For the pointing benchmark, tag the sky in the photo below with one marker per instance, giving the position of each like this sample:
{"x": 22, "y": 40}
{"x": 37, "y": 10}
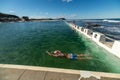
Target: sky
{"x": 70, "y": 9}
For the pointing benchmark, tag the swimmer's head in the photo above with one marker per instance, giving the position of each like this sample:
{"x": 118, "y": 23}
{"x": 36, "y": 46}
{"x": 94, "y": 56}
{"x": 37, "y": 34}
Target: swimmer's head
{"x": 57, "y": 51}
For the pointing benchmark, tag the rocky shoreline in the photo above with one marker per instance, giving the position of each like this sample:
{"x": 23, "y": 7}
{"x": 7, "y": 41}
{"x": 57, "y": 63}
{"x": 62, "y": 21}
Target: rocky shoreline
{"x": 13, "y": 18}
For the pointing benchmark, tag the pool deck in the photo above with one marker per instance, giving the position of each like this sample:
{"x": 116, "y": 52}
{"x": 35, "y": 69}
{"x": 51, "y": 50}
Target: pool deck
{"x": 21, "y": 72}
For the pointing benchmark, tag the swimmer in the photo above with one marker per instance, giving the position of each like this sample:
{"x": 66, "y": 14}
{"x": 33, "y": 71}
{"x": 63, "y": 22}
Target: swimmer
{"x": 58, "y": 53}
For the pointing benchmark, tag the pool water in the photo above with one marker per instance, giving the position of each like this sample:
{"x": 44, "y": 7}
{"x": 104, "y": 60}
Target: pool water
{"x": 26, "y": 43}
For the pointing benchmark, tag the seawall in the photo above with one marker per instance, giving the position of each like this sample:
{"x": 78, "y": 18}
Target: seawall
{"x": 111, "y": 45}
{"x": 20, "y": 72}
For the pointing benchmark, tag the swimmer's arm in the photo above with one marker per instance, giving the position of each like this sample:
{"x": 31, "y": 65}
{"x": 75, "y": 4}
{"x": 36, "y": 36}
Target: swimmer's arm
{"x": 88, "y": 58}
{"x": 49, "y": 53}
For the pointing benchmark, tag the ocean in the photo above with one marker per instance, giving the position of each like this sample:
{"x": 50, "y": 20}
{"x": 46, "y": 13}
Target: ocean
{"x": 109, "y": 27}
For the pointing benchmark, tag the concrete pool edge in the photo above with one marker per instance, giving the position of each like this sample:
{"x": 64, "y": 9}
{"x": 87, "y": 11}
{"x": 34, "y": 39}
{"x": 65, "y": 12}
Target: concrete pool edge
{"x": 22, "y": 72}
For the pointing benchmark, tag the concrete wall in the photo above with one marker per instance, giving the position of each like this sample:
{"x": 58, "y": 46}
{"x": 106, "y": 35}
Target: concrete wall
{"x": 20, "y": 72}
{"x": 116, "y": 48}
{"x": 99, "y": 38}
{"x": 88, "y": 32}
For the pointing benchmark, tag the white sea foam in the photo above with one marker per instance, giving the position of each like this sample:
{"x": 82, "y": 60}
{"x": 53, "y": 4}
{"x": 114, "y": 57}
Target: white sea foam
{"x": 113, "y": 29}
{"x": 102, "y": 26}
{"x": 114, "y": 21}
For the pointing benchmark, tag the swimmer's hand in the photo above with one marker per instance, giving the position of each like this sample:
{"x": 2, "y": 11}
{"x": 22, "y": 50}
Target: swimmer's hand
{"x": 48, "y": 53}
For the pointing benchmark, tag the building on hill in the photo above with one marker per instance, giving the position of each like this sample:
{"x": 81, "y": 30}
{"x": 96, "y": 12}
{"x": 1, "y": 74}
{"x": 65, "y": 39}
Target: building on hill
{"x": 25, "y": 18}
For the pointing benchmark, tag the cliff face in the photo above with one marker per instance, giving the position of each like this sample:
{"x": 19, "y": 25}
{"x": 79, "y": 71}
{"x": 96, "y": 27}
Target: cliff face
{"x": 8, "y": 17}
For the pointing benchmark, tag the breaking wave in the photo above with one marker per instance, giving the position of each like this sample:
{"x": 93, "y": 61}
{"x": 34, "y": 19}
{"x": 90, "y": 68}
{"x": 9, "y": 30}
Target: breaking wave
{"x": 114, "y": 21}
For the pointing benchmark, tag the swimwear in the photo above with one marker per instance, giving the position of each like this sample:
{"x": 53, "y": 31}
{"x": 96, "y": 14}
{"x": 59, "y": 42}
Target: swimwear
{"x": 73, "y": 56}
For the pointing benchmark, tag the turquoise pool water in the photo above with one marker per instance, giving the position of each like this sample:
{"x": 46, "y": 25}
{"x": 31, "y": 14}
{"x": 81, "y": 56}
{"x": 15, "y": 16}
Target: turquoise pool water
{"x": 26, "y": 44}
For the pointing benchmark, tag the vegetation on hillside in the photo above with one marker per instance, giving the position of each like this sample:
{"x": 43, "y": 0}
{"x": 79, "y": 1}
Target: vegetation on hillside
{"x": 8, "y": 17}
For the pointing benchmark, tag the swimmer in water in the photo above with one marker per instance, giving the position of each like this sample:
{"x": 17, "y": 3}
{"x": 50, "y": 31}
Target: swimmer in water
{"x": 58, "y": 53}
